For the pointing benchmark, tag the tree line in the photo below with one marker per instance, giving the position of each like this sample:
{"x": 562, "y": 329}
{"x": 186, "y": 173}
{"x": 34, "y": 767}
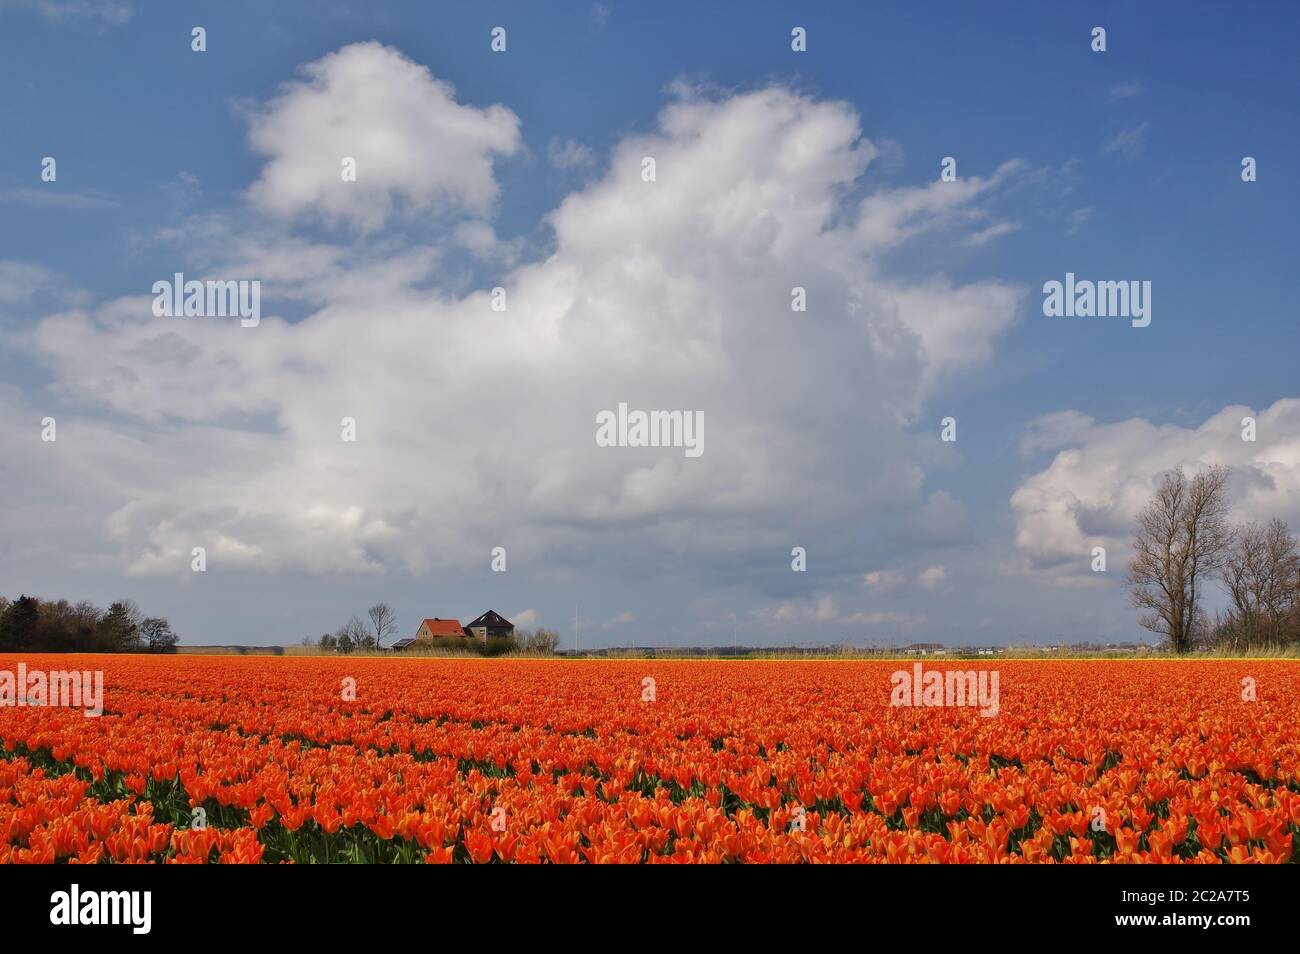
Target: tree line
{"x": 1185, "y": 542}
{"x": 379, "y": 623}
{"x": 57, "y": 626}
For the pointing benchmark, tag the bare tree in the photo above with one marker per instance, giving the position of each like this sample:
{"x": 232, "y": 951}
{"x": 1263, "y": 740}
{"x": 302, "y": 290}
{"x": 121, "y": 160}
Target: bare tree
{"x": 355, "y": 635}
{"x": 1260, "y": 574}
{"x": 383, "y": 618}
{"x": 158, "y": 635}
{"x": 87, "y": 614}
{"x": 540, "y": 640}
{"x": 1183, "y": 535}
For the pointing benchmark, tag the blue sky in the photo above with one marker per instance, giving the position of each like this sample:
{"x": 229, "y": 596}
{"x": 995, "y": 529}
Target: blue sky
{"x": 1126, "y": 166}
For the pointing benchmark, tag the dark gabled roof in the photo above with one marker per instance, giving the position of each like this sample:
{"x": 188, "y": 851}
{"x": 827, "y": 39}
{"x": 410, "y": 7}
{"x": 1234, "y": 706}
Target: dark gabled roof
{"x": 403, "y": 643}
{"x": 492, "y": 620}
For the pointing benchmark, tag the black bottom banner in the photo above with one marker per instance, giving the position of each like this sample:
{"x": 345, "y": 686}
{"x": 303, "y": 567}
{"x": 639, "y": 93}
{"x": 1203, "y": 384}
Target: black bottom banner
{"x": 148, "y": 904}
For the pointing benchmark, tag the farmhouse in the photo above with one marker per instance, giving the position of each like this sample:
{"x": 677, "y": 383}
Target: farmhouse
{"x": 433, "y": 629}
{"x": 491, "y": 625}
{"x": 430, "y": 632}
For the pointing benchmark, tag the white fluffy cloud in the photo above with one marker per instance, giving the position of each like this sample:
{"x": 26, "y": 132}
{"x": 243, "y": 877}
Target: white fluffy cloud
{"x": 416, "y": 149}
{"x": 524, "y": 618}
{"x": 476, "y": 427}
{"x": 1103, "y": 474}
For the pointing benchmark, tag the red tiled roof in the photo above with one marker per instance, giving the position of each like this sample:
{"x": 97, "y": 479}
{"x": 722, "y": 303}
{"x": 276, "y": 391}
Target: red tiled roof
{"x": 444, "y": 627}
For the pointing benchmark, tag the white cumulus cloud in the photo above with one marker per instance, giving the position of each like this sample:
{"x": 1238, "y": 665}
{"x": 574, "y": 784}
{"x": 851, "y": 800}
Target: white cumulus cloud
{"x": 476, "y": 424}
{"x": 416, "y": 149}
{"x": 1101, "y": 476}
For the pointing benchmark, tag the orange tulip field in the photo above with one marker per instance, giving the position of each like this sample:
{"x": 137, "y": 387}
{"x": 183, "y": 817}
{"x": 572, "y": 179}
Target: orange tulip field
{"x": 335, "y": 759}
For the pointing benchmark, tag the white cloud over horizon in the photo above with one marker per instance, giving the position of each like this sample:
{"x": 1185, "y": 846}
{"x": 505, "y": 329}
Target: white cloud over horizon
{"x": 670, "y": 294}
{"x": 1103, "y": 474}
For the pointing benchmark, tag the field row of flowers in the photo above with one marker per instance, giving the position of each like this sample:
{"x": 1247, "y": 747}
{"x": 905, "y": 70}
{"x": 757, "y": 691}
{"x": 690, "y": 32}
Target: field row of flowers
{"x": 230, "y": 759}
